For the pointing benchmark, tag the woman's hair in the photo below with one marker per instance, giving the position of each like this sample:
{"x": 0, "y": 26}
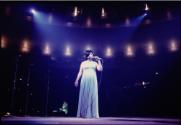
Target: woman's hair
{"x": 87, "y": 53}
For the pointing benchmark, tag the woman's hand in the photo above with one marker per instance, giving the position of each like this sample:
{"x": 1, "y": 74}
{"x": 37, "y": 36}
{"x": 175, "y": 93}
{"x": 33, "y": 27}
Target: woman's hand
{"x": 76, "y": 83}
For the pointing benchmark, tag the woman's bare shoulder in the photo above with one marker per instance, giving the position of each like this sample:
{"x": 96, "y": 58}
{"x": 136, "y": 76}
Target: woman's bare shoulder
{"x": 83, "y": 62}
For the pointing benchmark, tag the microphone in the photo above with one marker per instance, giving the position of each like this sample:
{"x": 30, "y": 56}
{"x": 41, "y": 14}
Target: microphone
{"x": 96, "y": 57}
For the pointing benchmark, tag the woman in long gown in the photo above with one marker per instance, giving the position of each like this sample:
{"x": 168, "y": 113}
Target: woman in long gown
{"x": 88, "y": 95}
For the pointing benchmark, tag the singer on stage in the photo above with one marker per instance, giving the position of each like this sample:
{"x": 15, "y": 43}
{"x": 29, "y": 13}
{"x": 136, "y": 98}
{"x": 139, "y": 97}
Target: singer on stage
{"x": 88, "y": 95}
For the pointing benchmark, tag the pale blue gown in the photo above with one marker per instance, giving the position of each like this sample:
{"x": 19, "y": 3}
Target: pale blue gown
{"x": 88, "y": 95}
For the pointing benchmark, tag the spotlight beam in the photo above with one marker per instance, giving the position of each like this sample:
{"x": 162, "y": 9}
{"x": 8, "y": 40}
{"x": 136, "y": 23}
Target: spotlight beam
{"x": 33, "y": 11}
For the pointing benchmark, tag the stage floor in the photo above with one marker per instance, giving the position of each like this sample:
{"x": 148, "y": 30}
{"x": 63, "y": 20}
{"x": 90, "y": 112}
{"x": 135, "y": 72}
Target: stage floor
{"x": 80, "y": 121}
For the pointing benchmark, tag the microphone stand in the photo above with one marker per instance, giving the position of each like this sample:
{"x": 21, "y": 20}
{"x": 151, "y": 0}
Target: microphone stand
{"x": 12, "y": 101}
{"x": 27, "y": 89}
{"x": 47, "y": 90}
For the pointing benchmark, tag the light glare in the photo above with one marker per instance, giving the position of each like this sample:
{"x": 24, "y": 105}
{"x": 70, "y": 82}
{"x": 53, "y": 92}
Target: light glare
{"x": 47, "y": 50}
{"x": 109, "y": 52}
{"x": 4, "y": 42}
{"x": 68, "y": 51}
{"x": 129, "y": 51}
{"x": 25, "y": 48}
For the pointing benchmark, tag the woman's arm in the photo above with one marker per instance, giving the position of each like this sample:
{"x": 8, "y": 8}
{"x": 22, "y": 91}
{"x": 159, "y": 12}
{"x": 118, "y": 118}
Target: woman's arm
{"x": 99, "y": 66}
{"x": 79, "y": 75}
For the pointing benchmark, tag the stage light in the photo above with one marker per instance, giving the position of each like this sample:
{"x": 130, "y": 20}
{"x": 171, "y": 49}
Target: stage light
{"x": 108, "y": 52}
{"x": 146, "y": 7}
{"x": 33, "y": 11}
{"x": 150, "y": 48}
{"x": 4, "y": 41}
{"x": 50, "y": 18}
{"x": 75, "y": 12}
{"x": 143, "y": 83}
{"x": 173, "y": 45}
{"x": 25, "y": 47}
{"x": 147, "y": 21}
{"x": 103, "y": 13}
{"x": 47, "y": 50}
{"x": 169, "y": 15}
{"x": 68, "y": 51}
{"x": 29, "y": 18}
{"x": 88, "y": 47}
{"x": 88, "y": 22}
{"x": 127, "y": 21}
{"x": 129, "y": 51}
{"x": 53, "y": 58}
{"x": 69, "y": 24}
{"x": 7, "y": 114}
{"x": 108, "y": 25}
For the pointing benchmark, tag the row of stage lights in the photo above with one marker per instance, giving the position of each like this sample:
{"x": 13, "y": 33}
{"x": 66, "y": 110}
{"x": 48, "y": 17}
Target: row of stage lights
{"x": 103, "y": 14}
{"x": 76, "y": 12}
{"x": 129, "y": 49}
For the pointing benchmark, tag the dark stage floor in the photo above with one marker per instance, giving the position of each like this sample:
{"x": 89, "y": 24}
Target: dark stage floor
{"x": 79, "y": 121}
